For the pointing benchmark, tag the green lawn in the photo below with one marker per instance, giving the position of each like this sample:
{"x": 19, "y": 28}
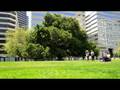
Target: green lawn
{"x": 60, "y": 69}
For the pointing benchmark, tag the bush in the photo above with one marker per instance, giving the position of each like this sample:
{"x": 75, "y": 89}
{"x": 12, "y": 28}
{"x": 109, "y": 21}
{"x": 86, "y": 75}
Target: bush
{"x": 37, "y": 51}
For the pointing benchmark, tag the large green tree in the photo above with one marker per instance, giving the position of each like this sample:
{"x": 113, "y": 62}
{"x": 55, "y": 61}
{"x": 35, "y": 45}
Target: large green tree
{"x": 62, "y": 34}
{"x": 51, "y": 37}
{"x": 58, "y": 36}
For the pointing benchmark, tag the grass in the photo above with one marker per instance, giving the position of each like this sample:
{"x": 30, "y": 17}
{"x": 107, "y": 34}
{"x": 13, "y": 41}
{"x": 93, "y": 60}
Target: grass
{"x": 60, "y": 69}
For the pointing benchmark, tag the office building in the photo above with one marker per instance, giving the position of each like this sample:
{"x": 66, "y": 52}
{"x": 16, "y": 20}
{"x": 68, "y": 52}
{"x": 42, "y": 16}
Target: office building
{"x": 22, "y": 19}
{"x": 80, "y": 16}
{"x": 8, "y": 21}
{"x": 103, "y": 27}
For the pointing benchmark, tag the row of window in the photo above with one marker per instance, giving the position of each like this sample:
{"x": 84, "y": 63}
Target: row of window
{"x": 90, "y": 17}
{"x": 2, "y": 41}
{"x": 2, "y": 36}
{"x": 7, "y": 26}
{"x": 110, "y": 15}
{"x": 91, "y": 21}
{"x": 9, "y": 21}
{"x": 7, "y": 15}
{"x": 13, "y": 12}
{"x": 91, "y": 24}
{"x": 109, "y": 28}
{"x": 3, "y": 30}
{"x": 89, "y": 29}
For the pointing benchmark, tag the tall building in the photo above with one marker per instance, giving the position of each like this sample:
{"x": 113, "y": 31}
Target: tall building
{"x": 8, "y": 21}
{"x": 80, "y": 16}
{"x": 103, "y": 27}
{"x": 22, "y": 19}
{"x": 38, "y": 16}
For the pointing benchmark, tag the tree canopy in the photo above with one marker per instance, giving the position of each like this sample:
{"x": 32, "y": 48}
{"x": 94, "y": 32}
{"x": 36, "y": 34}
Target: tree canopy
{"x": 57, "y": 37}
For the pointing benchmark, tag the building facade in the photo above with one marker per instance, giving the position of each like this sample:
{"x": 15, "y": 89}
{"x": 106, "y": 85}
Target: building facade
{"x": 8, "y": 21}
{"x": 22, "y": 19}
{"x": 38, "y": 16}
{"x": 103, "y": 27}
{"x": 80, "y": 16}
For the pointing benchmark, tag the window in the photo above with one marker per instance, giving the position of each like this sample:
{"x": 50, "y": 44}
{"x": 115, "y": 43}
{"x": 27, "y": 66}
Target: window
{"x": 2, "y": 41}
{"x": 2, "y": 36}
{"x": 6, "y": 15}
{"x": 4, "y": 20}
{"x": 8, "y": 26}
{"x": 3, "y": 30}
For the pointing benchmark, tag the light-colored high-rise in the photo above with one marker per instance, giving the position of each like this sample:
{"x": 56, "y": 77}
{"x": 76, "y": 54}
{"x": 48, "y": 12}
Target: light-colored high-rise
{"x": 80, "y": 16}
{"x": 8, "y": 21}
{"x": 103, "y": 27}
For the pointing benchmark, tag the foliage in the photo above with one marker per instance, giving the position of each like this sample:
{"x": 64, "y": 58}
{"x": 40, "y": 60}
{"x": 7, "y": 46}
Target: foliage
{"x": 36, "y": 51}
{"x": 40, "y": 35}
{"x": 19, "y": 44}
{"x": 66, "y": 23}
{"x": 16, "y": 40}
{"x": 75, "y": 45}
{"x": 92, "y": 46}
{"x": 58, "y": 36}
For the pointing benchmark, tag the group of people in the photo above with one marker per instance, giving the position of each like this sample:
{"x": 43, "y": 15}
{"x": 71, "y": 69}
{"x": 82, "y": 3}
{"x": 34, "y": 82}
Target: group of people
{"x": 90, "y": 55}
{"x": 106, "y": 56}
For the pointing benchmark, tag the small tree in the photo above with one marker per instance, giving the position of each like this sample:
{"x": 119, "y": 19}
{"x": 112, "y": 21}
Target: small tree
{"x": 15, "y": 42}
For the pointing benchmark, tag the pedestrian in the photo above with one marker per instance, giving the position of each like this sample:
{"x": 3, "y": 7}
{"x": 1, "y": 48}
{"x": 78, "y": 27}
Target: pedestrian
{"x": 92, "y": 55}
{"x": 87, "y": 54}
{"x": 106, "y": 57}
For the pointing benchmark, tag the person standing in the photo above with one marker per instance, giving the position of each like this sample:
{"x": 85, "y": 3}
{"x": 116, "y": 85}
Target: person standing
{"x": 92, "y": 55}
{"x": 87, "y": 54}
